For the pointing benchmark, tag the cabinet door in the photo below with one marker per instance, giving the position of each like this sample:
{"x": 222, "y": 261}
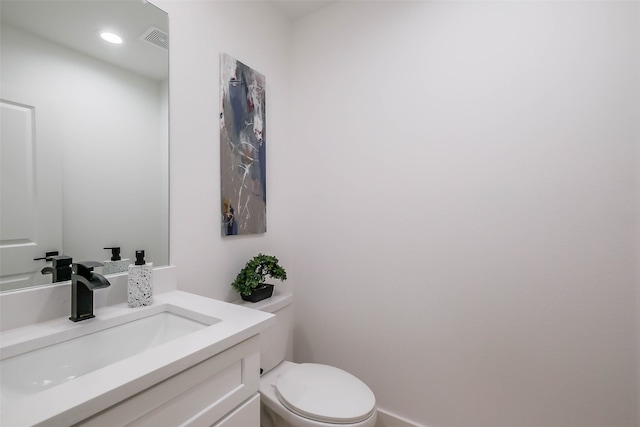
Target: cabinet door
{"x": 247, "y": 415}
{"x": 196, "y": 397}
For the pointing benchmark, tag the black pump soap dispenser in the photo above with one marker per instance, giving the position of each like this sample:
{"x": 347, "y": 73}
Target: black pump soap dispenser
{"x": 140, "y": 282}
{"x": 115, "y": 264}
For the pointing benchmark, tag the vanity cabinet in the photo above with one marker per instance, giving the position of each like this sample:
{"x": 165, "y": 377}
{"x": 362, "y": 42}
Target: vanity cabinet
{"x": 248, "y": 414}
{"x": 221, "y": 391}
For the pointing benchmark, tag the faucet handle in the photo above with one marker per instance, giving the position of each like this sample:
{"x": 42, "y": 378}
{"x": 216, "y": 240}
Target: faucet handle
{"x": 61, "y": 261}
{"x": 85, "y": 268}
{"x": 47, "y": 256}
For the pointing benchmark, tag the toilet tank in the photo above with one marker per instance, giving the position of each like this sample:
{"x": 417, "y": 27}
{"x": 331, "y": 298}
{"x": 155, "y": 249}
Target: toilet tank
{"x": 276, "y": 342}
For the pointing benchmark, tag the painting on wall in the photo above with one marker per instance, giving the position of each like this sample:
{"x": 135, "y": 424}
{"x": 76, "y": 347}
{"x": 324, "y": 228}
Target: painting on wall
{"x": 242, "y": 148}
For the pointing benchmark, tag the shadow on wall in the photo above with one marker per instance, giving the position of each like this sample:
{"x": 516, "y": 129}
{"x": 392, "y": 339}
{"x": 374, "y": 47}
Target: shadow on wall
{"x": 302, "y": 349}
{"x": 386, "y": 419}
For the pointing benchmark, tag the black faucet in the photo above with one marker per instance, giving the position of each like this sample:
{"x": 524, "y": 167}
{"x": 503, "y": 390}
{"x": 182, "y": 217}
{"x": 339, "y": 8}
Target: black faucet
{"x": 83, "y": 282}
{"x": 60, "y": 268}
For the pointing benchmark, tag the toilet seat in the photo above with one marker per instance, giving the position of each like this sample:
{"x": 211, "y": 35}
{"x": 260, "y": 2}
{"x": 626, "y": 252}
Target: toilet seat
{"x": 325, "y": 393}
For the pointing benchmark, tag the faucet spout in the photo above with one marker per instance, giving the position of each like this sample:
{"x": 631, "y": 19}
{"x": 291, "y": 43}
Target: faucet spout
{"x": 94, "y": 281}
{"x": 83, "y": 282}
{"x": 48, "y": 270}
{"x": 60, "y": 268}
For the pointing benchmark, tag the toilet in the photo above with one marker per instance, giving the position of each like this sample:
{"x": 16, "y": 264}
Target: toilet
{"x": 305, "y": 394}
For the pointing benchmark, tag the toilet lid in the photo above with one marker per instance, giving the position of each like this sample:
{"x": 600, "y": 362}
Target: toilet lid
{"x": 325, "y": 393}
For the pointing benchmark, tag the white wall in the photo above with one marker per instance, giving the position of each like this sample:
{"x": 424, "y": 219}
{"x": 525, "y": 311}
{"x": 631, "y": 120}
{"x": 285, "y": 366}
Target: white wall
{"x": 104, "y": 123}
{"x": 256, "y": 34}
{"x": 464, "y": 185}
{"x": 451, "y": 188}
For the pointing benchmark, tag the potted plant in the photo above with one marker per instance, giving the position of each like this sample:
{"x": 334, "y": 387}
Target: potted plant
{"x": 249, "y": 282}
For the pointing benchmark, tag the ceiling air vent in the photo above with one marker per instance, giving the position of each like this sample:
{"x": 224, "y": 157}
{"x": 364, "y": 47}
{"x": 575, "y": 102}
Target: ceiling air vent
{"x": 156, "y": 37}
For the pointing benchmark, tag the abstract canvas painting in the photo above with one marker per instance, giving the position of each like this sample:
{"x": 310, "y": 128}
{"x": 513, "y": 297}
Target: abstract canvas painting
{"x": 242, "y": 148}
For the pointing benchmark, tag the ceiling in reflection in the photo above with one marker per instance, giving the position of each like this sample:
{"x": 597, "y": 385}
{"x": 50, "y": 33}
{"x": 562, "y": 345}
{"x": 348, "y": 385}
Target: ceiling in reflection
{"x": 131, "y": 20}
{"x": 293, "y": 9}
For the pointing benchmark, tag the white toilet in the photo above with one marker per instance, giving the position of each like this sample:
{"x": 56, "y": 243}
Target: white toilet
{"x": 307, "y": 394}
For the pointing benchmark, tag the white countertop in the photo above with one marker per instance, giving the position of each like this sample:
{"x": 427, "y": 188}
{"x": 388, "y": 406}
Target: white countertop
{"x": 86, "y": 395}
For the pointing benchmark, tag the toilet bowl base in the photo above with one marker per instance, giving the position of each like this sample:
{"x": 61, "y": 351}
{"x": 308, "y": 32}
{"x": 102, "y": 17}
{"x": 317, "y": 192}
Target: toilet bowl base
{"x": 274, "y": 414}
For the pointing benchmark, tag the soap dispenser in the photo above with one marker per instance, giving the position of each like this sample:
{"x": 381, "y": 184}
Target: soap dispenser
{"x": 140, "y": 282}
{"x": 115, "y": 264}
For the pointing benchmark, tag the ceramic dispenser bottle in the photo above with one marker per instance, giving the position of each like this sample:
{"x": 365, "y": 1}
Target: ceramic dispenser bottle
{"x": 116, "y": 264}
{"x": 140, "y": 282}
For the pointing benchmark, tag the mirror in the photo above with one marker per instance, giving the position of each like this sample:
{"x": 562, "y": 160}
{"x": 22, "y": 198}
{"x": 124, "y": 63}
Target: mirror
{"x": 84, "y": 134}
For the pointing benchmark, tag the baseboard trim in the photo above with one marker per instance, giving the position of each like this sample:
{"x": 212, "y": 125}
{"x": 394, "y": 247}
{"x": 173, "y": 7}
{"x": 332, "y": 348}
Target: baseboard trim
{"x": 389, "y": 419}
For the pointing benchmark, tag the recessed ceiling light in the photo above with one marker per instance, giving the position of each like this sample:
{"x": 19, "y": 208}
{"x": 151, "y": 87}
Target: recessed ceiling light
{"x": 111, "y": 38}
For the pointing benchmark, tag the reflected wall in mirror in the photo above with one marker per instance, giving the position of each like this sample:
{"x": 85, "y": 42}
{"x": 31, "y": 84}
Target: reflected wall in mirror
{"x": 84, "y": 134}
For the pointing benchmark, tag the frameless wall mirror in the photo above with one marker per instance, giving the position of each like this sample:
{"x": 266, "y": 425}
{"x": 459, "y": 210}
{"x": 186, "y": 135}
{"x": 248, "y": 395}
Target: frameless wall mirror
{"x": 84, "y": 134}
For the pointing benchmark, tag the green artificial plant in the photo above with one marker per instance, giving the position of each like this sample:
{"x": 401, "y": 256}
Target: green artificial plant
{"x": 255, "y": 271}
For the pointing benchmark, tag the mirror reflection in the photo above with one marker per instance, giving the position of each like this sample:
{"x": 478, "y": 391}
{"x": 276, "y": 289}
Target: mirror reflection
{"x": 84, "y": 134}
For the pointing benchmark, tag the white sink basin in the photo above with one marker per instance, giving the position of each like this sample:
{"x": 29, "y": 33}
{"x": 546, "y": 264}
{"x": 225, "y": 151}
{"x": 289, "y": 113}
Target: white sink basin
{"x": 97, "y": 345}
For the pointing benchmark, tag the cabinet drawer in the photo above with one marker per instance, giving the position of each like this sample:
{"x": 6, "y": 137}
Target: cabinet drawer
{"x": 197, "y": 396}
{"x": 247, "y": 415}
